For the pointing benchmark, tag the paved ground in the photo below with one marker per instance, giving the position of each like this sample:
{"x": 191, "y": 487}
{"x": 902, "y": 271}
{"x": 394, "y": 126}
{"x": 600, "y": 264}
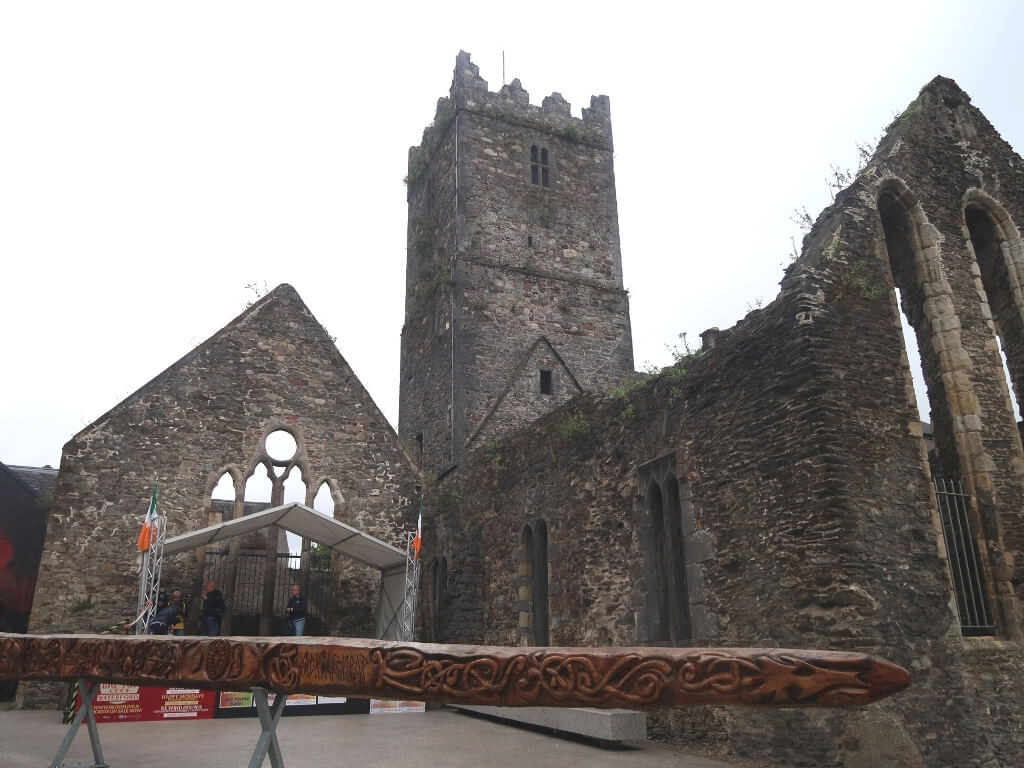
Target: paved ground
{"x": 29, "y": 738}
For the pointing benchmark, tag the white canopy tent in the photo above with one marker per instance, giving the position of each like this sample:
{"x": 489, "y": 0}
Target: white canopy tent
{"x": 328, "y": 532}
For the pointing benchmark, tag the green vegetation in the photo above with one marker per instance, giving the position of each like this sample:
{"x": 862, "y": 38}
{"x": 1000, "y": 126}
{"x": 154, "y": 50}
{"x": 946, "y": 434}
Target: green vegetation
{"x": 432, "y": 277}
{"x": 570, "y": 133}
{"x": 81, "y": 605}
{"x": 424, "y": 229}
{"x": 419, "y": 158}
{"x": 673, "y": 375}
{"x": 627, "y": 387}
{"x": 574, "y": 427}
{"x": 493, "y": 452}
{"x": 319, "y": 557}
{"x": 857, "y": 278}
{"x": 913, "y": 108}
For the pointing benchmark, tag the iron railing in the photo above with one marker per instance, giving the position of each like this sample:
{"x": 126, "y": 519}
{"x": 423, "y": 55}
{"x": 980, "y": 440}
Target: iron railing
{"x": 962, "y": 552}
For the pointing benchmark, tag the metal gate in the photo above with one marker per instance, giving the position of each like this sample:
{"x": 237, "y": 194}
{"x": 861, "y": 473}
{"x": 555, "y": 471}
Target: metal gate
{"x": 962, "y": 552}
{"x": 247, "y": 599}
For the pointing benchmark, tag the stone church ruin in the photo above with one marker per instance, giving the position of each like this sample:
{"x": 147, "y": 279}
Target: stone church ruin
{"x": 775, "y": 488}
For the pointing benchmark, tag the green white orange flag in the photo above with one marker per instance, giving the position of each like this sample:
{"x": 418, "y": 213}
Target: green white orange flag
{"x": 148, "y": 532}
{"x": 418, "y": 541}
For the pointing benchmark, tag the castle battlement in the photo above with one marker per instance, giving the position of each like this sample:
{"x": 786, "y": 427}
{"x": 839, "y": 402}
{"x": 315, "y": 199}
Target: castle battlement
{"x": 470, "y": 92}
{"x": 512, "y": 103}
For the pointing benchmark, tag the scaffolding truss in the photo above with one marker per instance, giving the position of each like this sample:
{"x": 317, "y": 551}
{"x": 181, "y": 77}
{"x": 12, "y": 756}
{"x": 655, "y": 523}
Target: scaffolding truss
{"x": 407, "y": 614}
{"x": 149, "y": 578}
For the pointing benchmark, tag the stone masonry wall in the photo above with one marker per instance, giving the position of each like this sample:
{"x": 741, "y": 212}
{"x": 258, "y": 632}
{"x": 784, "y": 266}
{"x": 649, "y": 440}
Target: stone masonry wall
{"x": 273, "y": 367}
{"x": 426, "y": 362}
{"x": 811, "y": 519}
{"x": 526, "y": 261}
{"x": 523, "y": 399}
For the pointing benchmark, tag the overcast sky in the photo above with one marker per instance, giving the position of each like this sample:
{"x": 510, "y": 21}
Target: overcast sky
{"x": 155, "y": 159}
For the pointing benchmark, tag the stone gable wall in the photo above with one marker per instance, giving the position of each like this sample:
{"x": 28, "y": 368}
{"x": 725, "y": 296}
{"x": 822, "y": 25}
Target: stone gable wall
{"x": 272, "y": 368}
{"x": 522, "y": 399}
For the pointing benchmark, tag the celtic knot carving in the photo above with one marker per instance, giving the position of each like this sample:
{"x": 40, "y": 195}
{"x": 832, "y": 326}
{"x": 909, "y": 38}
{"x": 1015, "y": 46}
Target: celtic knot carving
{"x": 630, "y": 679}
{"x": 280, "y": 664}
{"x": 530, "y": 677}
{"x": 638, "y": 678}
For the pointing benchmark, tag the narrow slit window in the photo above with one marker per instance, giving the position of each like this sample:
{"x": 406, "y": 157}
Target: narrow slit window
{"x": 540, "y": 168}
{"x": 545, "y": 382}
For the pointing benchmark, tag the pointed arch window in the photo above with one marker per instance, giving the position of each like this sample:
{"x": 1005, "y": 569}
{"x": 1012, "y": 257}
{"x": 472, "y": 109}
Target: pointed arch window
{"x": 667, "y": 599}
{"x": 926, "y": 298}
{"x": 994, "y": 239}
{"x": 222, "y": 499}
{"x": 533, "y": 590}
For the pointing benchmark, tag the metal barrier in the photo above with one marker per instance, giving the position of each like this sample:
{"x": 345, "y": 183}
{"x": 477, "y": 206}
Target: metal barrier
{"x": 962, "y": 553}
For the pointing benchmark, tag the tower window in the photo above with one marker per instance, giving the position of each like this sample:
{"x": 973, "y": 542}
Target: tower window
{"x": 545, "y": 382}
{"x": 540, "y": 170}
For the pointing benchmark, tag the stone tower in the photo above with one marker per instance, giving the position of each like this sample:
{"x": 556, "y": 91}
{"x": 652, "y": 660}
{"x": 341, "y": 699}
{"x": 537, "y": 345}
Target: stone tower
{"x": 514, "y": 294}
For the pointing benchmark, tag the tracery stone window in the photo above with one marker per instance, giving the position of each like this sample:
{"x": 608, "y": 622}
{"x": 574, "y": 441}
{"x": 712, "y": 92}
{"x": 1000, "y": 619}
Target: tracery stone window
{"x": 276, "y": 472}
{"x": 540, "y": 168}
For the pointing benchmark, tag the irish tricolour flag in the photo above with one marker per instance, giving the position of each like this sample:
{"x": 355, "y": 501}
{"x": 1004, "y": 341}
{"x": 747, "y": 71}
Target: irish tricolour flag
{"x": 148, "y": 532}
{"x": 418, "y": 541}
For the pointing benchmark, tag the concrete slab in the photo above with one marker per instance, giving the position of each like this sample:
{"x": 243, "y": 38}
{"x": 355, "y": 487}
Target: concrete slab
{"x": 604, "y": 725}
{"x": 29, "y": 739}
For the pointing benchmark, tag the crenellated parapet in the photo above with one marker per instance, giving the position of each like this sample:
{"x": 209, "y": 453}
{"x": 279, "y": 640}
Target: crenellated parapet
{"x": 511, "y": 103}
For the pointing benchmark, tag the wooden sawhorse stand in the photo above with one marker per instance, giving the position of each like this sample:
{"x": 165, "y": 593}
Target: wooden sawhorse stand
{"x": 87, "y": 690}
{"x": 267, "y": 743}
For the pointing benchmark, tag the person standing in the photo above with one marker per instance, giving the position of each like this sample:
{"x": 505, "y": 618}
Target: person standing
{"x": 296, "y": 611}
{"x": 164, "y": 617}
{"x": 178, "y": 627}
{"x": 214, "y": 609}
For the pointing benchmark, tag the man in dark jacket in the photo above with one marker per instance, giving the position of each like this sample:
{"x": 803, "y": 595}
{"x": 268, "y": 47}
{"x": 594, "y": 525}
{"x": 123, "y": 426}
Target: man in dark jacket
{"x": 166, "y": 616}
{"x": 214, "y": 609}
{"x": 295, "y": 613}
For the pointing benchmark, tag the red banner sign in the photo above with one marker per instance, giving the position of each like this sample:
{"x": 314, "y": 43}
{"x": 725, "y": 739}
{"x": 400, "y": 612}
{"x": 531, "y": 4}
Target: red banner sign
{"x": 131, "y": 703}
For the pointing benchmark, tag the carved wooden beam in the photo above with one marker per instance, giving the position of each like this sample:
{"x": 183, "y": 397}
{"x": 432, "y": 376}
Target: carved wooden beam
{"x": 636, "y": 678}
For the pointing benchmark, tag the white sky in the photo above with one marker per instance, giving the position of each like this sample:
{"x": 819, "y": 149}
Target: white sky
{"x": 157, "y": 158}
